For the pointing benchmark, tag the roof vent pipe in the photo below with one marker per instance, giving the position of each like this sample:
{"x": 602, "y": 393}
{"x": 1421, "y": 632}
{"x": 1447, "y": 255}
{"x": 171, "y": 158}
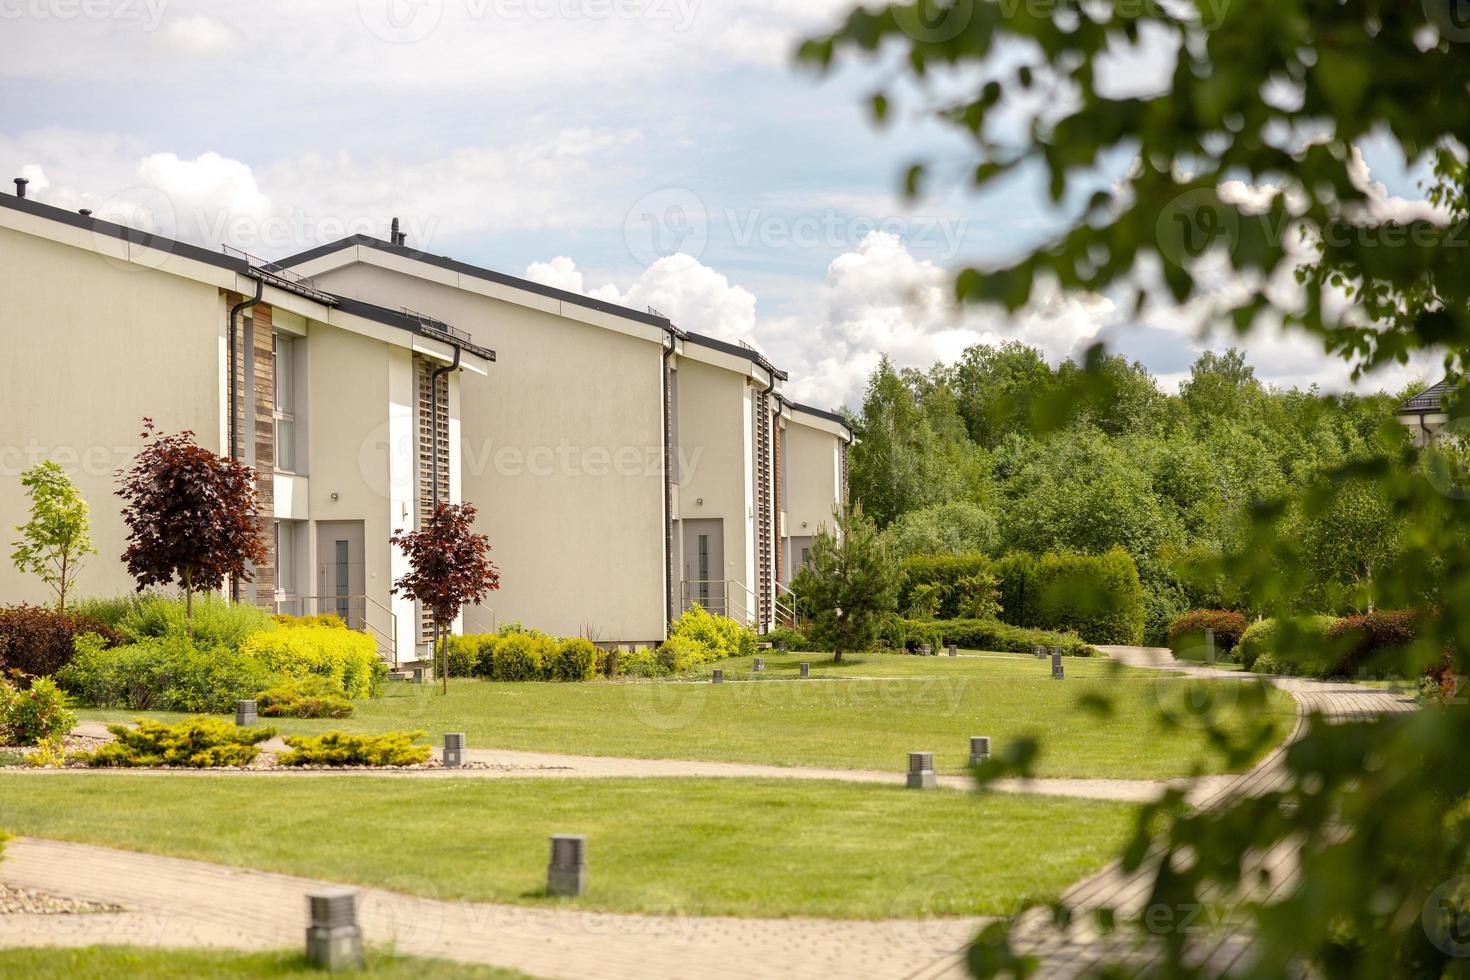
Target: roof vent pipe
{"x": 393, "y": 233}
{"x": 20, "y": 186}
{"x": 85, "y": 212}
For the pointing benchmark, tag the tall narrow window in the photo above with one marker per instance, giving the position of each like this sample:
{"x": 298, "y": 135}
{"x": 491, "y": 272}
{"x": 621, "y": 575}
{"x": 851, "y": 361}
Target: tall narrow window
{"x": 285, "y": 410}
{"x": 704, "y": 570}
{"x": 344, "y": 578}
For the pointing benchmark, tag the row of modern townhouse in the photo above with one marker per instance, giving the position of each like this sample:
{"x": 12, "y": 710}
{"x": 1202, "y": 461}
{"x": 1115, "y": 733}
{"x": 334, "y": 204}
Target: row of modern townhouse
{"x": 624, "y": 468}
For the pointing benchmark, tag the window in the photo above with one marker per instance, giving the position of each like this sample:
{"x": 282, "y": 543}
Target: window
{"x": 286, "y": 537}
{"x": 704, "y": 570}
{"x": 806, "y": 556}
{"x": 284, "y": 361}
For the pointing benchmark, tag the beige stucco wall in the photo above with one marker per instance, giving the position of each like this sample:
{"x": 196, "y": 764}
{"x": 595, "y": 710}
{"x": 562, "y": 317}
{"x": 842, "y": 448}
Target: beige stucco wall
{"x": 813, "y": 477}
{"x": 562, "y": 454}
{"x": 716, "y": 478}
{"x": 90, "y": 346}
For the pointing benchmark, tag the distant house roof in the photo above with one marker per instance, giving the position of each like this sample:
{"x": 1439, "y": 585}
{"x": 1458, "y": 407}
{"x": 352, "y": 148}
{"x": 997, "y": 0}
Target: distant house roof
{"x": 1431, "y": 399}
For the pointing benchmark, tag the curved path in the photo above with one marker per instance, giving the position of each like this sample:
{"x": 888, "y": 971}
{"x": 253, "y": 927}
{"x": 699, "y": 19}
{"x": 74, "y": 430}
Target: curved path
{"x": 1082, "y": 951}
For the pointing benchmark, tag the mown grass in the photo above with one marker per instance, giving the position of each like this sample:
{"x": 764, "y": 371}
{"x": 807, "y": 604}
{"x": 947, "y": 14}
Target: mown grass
{"x": 130, "y": 963}
{"x": 839, "y": 719}
{"x": 697, "y": 846}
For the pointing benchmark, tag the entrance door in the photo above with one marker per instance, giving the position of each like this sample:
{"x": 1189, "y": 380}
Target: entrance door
{"x": 704, "y": 564}
{"x": 341, "y": 581}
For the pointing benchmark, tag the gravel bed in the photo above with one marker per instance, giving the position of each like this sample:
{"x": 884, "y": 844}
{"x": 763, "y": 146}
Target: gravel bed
{"x": 23, "y": 901}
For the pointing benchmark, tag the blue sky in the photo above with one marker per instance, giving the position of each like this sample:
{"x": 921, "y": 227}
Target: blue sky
{"x": 579, "y": 144}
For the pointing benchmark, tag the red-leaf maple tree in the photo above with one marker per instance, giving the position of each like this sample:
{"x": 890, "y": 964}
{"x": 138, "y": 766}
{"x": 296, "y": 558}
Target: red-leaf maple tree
{"x": 192, "y": 515}
{"x": 449, "y": 566}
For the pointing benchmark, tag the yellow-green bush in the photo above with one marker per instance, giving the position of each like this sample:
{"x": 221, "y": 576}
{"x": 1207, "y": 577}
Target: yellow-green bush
{"x": 304, "y": 697}
{"x": 680, "y": 654}
{"x": 320, "y": 619}
{"x": 575, "y": 660}
{"x": 466, "y": 653}
{"x": 348, "y": 658}
{"x": 199, "y": 743}
{"x": 638, "y": 663}
{"x": 520, "y": 657}
{"x": 720, "y": 636}
{"x": 341, "y": 749}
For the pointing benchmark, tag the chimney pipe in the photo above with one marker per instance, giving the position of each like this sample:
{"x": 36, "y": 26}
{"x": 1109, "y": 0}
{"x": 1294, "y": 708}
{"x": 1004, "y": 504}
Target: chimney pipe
{"x": 86, "y": 212}
{"x": 20, "y": 186}
{"x": 393, "y": 233}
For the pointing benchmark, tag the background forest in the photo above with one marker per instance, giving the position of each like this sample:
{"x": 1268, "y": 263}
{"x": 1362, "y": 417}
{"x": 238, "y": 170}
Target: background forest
{"x": 999, "y": 452}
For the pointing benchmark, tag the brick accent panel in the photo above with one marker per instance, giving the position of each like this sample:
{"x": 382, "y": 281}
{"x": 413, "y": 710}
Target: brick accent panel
{"x": 263, "y": 383}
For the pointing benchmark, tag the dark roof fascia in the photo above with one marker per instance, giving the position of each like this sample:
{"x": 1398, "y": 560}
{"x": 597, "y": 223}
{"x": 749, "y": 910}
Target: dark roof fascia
{"x": 404, "y": 321}
{"x": 478, "y": 272}
{"x": 736, "y": 349}
{"x": 123, "y": 233}
{"x": 820, "y": 413}
{"x": 230, "y": 263}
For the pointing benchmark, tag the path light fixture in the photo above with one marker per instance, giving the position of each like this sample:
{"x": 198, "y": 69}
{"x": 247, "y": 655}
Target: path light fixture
{"x": 453, "y": 750}
{"x": 718, "y": 677}
{"x": 760, "y": 665}
{"x": 806, "y": 670}
{"x": 979, "y": 749}
{"x": 567, "y": 872}
{"x": 921, "y": 771}
{"x": 334, "y": 940}
{"x": 1058, "y": 672}
{"x": 245, "y": 713}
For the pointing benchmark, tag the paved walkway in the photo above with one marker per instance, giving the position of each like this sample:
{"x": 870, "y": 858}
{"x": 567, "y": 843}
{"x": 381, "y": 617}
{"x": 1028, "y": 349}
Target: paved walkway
{"x": 191, "y": 903}
{"x": 509, "y": 763}
{"x": 1082, "y": 951}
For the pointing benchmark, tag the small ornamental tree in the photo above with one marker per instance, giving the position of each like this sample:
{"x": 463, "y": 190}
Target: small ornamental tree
{"x": 449, "y": 566}
{"x": 850, "y": 584}
{"x": 191, "y": 515}
{"x": 54, "y": 542}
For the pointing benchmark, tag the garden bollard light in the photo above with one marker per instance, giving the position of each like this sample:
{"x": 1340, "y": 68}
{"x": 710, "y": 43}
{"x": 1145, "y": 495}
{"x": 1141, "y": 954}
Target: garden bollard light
{"x": 806, "y": 670}
{"x": 954, "y": 649}
{"x": 1209, "y": 644}
{"x": 718, "y": 677}
{"x": 781, "y": 646}
{"x": 1039, "y": 652}
{"x": 333, "y": 940}
{"x": 760, "y": 665}
{"x": 245, "y": 713}
{"x": 1057, "y": 671}
{"x": 979, "y": 749}
{"x": 453, "y": 750}
{"x": 921, "y": 770}
{"x": 924, "y": 649}
{"x": 418, "y": 675}
{"x": 567, "y": 872}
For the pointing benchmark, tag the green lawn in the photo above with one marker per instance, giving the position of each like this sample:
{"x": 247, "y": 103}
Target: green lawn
{"x": 835, "y": 719}
{"x": 698, "y": 846}
{"x": 129, "y": 963}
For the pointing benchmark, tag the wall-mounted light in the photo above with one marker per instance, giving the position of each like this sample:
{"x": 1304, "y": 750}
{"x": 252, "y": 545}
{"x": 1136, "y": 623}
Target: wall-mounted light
{"x": 335, "y": 495}
{"x": 699, "y": 501}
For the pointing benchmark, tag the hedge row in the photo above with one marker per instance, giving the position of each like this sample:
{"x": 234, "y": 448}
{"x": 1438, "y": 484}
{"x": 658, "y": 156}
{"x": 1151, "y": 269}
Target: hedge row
{"x": 518, "y": 654}
{"x": 1186, "y": 634}
{"x": 38, "y": 642}
{"x": 1099, "y": 597}
{"x": 980, "y": 634}
{"x": 1373, "y": 644}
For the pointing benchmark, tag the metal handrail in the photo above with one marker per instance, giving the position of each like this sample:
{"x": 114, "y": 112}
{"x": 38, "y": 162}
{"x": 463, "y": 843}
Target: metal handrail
{"x": 788, "y": 607}
{"x": 387, "y": 641}
{"x": 724, "y": 597}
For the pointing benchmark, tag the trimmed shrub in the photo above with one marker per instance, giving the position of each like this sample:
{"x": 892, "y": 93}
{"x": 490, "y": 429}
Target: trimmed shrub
{"x": 1288, "y": 647}
{"x": 521, "y": 657}
{"x": 307, "y": 697}
{"x": 721, "y": 636}
{"x": 341, "y": 749}
{"x": 199, "y": 743}
{"x": 575, "y": 660}
{"x": 1187, "y": 631}
{"x": 346, "y": 657}
{"x": 1375, "y": 642}
{"x": 35, "y": 715}
{"x": 37, "y": 642}
{"x": 464, "y": 653}
{"x": 1098, "y": 597}
{"x": 638, "y": 663}
{"x": 991, "y": 634}
{"x": 680, "y": 654}
{"x": 943, "y": 571}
